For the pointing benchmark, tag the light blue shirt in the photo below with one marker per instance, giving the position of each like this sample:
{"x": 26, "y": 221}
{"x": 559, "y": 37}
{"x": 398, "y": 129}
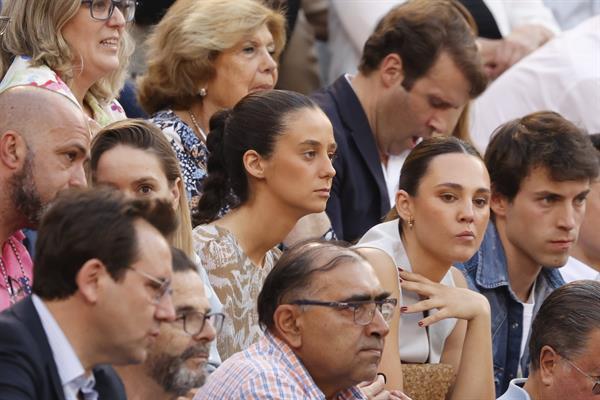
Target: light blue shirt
{"x": 515, "y": 390}
{"x": 71, "y": 372}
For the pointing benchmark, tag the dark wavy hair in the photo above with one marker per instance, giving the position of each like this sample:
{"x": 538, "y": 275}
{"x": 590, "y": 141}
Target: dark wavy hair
{"x": 540, "y": 140}
{"x": 419, "y": 31}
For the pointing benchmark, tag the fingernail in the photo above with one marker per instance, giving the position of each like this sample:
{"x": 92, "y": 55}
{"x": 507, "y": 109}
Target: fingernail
{"x": 420, "y": 323}
{"x": 403, "y": 309}
{"x": 384, "y": 377}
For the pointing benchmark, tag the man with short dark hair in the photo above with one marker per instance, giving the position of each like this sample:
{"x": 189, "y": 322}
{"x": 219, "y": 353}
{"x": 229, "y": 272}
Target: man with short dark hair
{"x": 419, "y": 68}
{"x": 176, "y": 363}
{"x": 564, "y": 347}
{"x": 325, "y": 319}
{"x": 101, "y": 290}
{"x": 44, "y": 142}
{"x": 541, "y": 167}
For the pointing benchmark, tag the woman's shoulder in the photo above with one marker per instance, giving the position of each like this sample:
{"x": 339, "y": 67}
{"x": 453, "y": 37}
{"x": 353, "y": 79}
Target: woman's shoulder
{"x": 22, "y": 72}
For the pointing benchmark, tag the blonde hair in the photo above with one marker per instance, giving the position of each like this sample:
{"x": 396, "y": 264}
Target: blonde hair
{"x": 143, "y": 135}
{"x": 184, "y": 45}
{"x": 35, "y": 29}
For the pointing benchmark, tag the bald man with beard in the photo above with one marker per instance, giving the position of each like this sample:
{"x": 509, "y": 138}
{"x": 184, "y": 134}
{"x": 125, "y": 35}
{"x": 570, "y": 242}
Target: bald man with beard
{"x": 44, "y": 142}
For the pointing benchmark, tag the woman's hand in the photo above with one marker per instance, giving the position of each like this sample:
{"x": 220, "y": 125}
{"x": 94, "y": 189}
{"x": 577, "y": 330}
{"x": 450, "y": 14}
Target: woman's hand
{"x": 374, "y": 390}
{"x": 451, "y": 302}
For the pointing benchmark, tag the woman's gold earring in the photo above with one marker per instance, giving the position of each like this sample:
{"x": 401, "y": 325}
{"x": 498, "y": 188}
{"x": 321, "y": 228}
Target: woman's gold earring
{"x": 202, "y": 92}
{"x": 411, "y": 222}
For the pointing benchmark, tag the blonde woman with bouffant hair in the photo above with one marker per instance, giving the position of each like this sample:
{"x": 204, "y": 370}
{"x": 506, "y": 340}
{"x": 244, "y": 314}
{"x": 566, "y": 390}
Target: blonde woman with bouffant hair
{"x": 183, "y": 48}
{"x": 203, "y": 57}
{"x": 59, "y": 34}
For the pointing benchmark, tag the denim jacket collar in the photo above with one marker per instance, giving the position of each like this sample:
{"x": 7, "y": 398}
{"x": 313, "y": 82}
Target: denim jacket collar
{"x": 492, "y": 271}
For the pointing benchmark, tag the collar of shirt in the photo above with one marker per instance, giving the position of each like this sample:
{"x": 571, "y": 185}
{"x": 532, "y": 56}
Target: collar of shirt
{"x": 13, "y": 260}
{"x": 71, "y": 372}
{"x": 352, "y": 393}
{"x": 492, "y": 271}
{"x": 515, "y": 390}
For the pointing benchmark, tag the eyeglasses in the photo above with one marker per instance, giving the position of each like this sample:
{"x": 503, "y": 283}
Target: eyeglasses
{"x": 596, "y": 380}
{"x": 194, "y": 322}
{"x": 4, "y": 20}
{"x": 161, "y": 287}
{"x": 102, "y": 10}
{"x": 364, "y": 311}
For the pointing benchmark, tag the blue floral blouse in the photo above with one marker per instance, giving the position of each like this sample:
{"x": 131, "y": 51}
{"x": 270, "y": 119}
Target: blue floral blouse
{"x": 190, "y": 150}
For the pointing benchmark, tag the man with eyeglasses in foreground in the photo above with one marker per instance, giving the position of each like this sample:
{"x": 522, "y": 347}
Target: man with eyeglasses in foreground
{"x": 176, "y": 363}
{"x": 324, "y": 316}
{"x": 101, "y": 291}
{"x": 564, "y": 347}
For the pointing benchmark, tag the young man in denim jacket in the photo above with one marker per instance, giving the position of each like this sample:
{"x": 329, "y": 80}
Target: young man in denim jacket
{"x": 540, "y": 167}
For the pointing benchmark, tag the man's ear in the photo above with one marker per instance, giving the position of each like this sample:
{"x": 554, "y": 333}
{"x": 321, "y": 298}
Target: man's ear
{"x": 499, "y": 204}
{"x": 90, "y": 279}
{"x": 549, "y": 359}
{"x": 13, "y": 150}
{"x": 404, "y": 205}
{"x": 254, "y": 164}
{"x": 287, "y": 320}
{"x": 391, "y": 71}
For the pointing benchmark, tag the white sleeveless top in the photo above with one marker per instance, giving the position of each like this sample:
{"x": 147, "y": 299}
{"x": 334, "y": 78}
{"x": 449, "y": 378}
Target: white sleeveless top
{"x": 413, "y": 341}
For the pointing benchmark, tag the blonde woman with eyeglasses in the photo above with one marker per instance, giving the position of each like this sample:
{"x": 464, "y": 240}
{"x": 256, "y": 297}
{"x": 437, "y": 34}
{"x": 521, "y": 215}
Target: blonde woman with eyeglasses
{"x": 78, "y": 48}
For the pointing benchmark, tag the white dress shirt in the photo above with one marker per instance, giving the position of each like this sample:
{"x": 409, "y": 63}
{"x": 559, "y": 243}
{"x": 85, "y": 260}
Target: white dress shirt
{"x": 561, "y": 76}
{"x": 575, "y": 270}
{"x": 71, "y": 372}
{"x": 515, "y": 391}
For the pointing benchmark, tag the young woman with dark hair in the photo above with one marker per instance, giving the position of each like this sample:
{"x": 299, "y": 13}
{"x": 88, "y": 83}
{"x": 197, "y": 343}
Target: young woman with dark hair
{"x": 443, "y": 207}
{"x": 270, "y": 163}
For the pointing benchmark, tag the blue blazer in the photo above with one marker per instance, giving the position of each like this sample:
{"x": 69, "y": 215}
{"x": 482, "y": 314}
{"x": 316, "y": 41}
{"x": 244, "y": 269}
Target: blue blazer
{"x": 359, "y": 197}
{"x": 27, "y": 367}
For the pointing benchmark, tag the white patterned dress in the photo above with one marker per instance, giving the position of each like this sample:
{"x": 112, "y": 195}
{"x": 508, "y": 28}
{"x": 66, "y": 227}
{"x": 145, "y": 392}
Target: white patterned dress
{"x": 237, "y": 281}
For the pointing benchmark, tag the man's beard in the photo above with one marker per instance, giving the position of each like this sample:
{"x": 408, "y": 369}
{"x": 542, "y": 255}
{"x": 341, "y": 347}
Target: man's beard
{"x": 24, "y": 194}
{"x": 173, "y": 375}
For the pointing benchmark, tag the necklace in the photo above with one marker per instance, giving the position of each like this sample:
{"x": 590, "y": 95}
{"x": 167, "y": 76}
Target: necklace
{"x": 23, "y": 282}
{"x": 197, "y": 126}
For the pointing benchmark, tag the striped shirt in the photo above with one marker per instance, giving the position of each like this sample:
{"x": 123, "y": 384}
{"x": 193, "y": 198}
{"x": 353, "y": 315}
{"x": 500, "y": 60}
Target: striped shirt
{"x": 268, "y": 369}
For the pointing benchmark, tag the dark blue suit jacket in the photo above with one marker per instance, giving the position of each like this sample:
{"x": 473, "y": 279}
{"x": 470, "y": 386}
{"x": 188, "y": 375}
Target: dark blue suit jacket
{"x": 359, "y": 197}
{"x": 27, "y": 367}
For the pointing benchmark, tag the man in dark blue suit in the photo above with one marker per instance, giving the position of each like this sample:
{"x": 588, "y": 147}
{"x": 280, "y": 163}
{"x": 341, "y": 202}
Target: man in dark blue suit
{"x": 101, "y": 290}
{"x": 418, "y": 70}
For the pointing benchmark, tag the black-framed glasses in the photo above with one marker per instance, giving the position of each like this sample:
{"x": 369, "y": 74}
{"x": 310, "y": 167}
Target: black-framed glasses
{"x": 161, "y": 287}
{"x": 364, "y": 311}
{"x": 194, "y": 322}
{"x": 102, "y": 10}
{"x": 596, "y": 380}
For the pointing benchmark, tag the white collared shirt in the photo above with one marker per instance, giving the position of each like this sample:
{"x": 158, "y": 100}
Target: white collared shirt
{"x": 71, "y": 372}
{"x": 515, "y": 390}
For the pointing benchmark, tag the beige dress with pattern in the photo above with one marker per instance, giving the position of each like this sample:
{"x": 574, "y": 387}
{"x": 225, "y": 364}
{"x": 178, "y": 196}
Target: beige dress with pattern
{"x": 237, "y": 282}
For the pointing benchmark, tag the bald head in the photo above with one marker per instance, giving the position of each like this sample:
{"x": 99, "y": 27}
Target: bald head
{"x": 44, "y": 142}
{"x": 31, "y": 110}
